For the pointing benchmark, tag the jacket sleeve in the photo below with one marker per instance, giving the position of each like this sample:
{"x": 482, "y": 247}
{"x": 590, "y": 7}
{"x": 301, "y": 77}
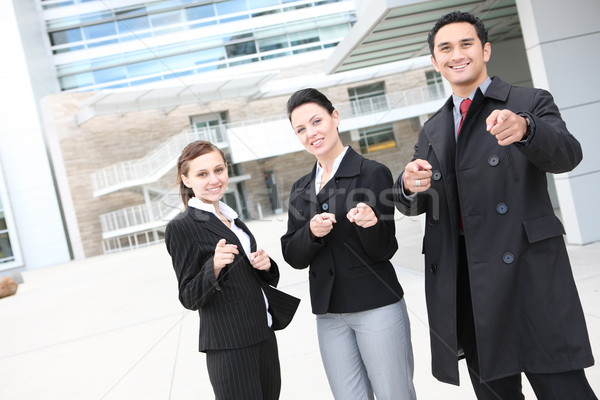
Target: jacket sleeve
{"x": 379, "y": 241}
{"x": 298, "y": 245}
{"x": 552, "y": 148}
{"x": 193, "y": 267}
{"x": 272, "y": 275}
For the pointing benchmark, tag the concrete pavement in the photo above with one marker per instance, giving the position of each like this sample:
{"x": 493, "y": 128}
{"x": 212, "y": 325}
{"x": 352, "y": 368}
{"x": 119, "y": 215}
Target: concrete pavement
{"x": 111, "y": 327}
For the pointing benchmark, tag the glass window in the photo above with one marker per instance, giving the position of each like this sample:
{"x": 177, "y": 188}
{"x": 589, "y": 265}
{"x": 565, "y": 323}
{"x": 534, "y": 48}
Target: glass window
{"x": 368, "y": 99}
{"x": 200, "y": 12}
{"x": 376, "y": 138}
{"x": 100, "y": 30}
{"x": 435, "y": 84}
{"x": 76, "y": 81}
{"x": 6, "y": 253}
{"x": 334, "y": 33}
{"x": 68, "y": 36}
{"x": 166, "y": 18}
{"x": 274, "y": 43}
{"x": 95, "y": 16}
{"x": 178, "y": 62}
{"x": 209, "y": 56}
{"x": 263, "y": 3}
{"x": 300, "y": 38}
{"x": 231, "y": 7}
{"x": 143, "y": 68}
{"x": 131, "y": 25}
{"x": 240, "y": 49}
{"x": 110, "y": 74}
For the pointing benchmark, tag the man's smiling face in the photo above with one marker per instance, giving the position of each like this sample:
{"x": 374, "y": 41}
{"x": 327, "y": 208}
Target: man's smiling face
{"x": 459, "y": 56}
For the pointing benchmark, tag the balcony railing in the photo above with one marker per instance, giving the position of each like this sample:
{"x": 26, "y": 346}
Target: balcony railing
{"x": 140, "y": 217}
{"x": 405, "y": 98}
{"x": 155, "y": 164}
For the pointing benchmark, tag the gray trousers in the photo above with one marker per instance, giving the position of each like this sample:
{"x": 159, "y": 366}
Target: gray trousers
{"x": 368, "y": 353}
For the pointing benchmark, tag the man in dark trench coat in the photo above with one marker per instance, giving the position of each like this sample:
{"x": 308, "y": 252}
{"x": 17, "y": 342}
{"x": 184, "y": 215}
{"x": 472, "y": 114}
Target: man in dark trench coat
{"x": 499, "y": 285}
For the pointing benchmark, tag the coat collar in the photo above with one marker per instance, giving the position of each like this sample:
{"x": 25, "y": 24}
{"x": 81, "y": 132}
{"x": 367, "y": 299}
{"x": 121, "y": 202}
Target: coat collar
{"x": 349, "y": 167}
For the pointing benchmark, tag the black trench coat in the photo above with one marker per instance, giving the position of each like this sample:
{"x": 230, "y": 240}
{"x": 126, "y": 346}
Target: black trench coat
{"x": 527, "y": 312}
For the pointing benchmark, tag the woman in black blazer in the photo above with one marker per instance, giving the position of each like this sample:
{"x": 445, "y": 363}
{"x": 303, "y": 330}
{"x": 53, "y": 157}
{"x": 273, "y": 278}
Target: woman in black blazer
{"x": 341, "y": 226}
{"x": 221, "y": 274}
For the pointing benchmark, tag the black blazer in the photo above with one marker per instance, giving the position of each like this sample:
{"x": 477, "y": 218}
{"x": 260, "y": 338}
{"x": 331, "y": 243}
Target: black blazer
{"x": 349, "y": 268}
{"x": 232, "y": 307}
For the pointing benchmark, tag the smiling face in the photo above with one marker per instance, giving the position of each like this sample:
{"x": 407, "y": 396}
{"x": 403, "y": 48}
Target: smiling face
{"x": 207, "y": 176}
{"x": 317, "y": 130}
{"x": 459, "y": 56}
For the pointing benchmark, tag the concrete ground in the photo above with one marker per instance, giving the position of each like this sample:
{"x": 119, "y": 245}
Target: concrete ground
{"x": 111, "y": 327}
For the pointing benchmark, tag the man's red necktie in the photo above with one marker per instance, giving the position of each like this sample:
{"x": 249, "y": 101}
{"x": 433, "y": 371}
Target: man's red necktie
{"x": 464, "y": 106}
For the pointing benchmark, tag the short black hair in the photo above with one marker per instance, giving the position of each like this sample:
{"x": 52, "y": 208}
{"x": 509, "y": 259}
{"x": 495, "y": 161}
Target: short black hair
{"x": 453, "y": 17}
{"x": 308, "y": 95}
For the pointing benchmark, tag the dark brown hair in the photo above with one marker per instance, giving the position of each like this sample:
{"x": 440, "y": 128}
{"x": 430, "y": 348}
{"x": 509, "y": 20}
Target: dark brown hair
{"x": 189, "y": 153}
{"x": 454, "y": 17}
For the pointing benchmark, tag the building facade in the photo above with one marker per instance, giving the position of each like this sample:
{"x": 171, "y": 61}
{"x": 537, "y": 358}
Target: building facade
{"x": 112, "y": 90}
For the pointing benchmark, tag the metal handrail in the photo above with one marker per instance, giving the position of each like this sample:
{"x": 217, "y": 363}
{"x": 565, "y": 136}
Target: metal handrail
{"x": 134, "y": 172}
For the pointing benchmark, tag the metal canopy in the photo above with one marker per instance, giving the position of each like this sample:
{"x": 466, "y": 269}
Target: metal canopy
{"x": 395, "y": 30}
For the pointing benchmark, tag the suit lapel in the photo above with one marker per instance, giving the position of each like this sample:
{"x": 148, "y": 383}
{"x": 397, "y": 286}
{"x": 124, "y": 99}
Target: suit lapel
{"x": 349, "y": 168}
{"x": 243, "y": 227}
{"x": 214, "y": 225}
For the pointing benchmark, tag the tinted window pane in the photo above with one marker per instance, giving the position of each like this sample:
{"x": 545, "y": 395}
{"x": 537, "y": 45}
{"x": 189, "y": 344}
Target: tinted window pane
{"x": 68, "y": 36}
{"x": 6, "y": 253}
{"x": 110, "y": 74}
{"x": 240, "y": 49}
{"x": 100, "y": 30}
{"x": 231, "y": 6}
{"x": 177, "y": 62}
{"x": 76, "y": 81}
{"x": 133, "y": 24}
{"x": 167, "y": 18}
{"x": 143, "y": 68}
{"x": 200, "y": 12}
{"x": 274, "y": 43}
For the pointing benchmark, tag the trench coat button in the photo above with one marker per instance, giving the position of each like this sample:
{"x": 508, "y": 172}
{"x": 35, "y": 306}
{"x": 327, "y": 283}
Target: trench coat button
{"x": 301, "y": 212}
{"x": 337, "y": 180}
{"x": 313, "y": 274}
{"x": 437, "y": 175}
{"x": 325, "y": 206}
{"x": 493, "y": 160}
{"x": 433, "y": 221}
{"x": 508, "y": 258}
{"x": 433, "y": 268}
{"x": 330, "y": 271}
{"x": 501, "y": 208}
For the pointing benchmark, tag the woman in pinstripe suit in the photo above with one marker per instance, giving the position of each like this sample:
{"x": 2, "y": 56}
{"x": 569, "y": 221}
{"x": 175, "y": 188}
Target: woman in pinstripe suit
{"x": 218, "y": 269}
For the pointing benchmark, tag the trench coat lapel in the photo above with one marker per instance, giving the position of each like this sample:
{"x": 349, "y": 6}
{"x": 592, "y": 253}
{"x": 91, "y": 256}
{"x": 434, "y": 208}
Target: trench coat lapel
{"x": 442, "y": 139}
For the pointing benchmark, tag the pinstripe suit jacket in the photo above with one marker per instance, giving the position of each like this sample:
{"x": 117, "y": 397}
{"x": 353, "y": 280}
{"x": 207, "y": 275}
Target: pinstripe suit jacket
{"x": 232, "y": 307}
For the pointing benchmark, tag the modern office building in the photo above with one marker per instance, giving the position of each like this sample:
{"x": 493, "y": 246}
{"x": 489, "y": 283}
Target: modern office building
{"x": 105, "y": 94}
